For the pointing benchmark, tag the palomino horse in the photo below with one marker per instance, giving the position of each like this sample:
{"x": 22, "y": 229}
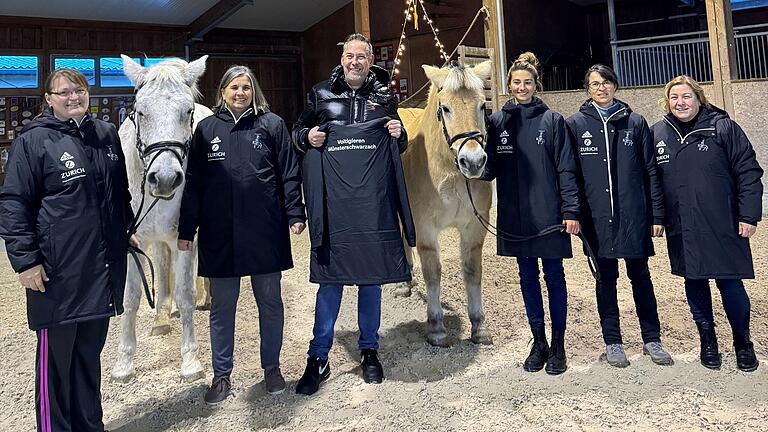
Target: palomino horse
{"x": 155, "y": 141}
{"x": 446, "y": 146}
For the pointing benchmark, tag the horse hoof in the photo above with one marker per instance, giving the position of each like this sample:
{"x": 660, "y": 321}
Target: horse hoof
{"x": 402, "y": 291}
{"x": 438, "y": 339}
{"x": 204, "y": 307}
{"x": 122, "y": 378}
{"x": 160, "y": 330}
{"x": 482, "y": 338}
{"x": 175, "y": 314}
{"x": 194, "y": 376}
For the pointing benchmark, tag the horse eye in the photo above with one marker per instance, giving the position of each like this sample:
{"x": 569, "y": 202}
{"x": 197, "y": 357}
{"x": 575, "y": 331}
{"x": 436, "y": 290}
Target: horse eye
{"x": 141, "y": 114}
{"x": 446, "y": 110}
{"x": 189, "y": 111}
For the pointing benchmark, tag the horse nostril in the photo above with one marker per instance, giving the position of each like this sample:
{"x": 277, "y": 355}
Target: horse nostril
{"x": 463, "y": 163}
{"x": 152, "y": 178}
{"x": 483, "y": 160}
{"x": 177, "y": 181}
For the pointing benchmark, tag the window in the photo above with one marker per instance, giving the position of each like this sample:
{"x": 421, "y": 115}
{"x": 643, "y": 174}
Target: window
{"x": 19, "y": 72}
{"x": 111, "y": 72}
{"x": 85, "y": 66}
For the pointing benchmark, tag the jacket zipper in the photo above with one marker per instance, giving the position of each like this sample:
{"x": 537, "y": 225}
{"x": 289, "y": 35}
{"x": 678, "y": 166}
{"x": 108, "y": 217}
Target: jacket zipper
{"x": 608, "y": 151}
{"x": 353, "y": 120}
{"x": 683, "y": 138}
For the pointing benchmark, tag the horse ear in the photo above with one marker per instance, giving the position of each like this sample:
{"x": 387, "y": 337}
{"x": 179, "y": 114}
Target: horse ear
{"x": 194, "y": 70}
{"x": 134, "y": 71}
{"x": 483, "y": 70}
{"x": 435, "y": 75}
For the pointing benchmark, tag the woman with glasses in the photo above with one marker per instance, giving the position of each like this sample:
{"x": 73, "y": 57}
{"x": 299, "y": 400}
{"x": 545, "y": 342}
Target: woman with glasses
{"x": 532, "y": 160}
{"x": 243, "y": 194}
{"x": 622, "y": 207}
{"x": 713, "y": 195}
{"x": 64, "y": 215}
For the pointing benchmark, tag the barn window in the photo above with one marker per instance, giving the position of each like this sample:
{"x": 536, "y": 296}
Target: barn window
{"x": 111, "y": 72}
{"x": 17, "y": 72}
{"x": 86, "y": 66}
{"x": 153, "y": 61}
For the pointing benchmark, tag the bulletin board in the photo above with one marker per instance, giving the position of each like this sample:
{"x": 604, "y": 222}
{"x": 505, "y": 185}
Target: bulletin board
{"x": 384, "y": 56}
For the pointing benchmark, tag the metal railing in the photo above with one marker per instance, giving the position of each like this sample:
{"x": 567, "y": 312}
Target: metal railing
{"x": 644, "y": 63}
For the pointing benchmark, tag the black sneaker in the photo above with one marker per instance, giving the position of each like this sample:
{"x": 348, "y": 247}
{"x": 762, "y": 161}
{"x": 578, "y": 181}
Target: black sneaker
{"x": 220, "y": 389}
{"x": 373, "y": 373}
{"x": 317, "y": 371}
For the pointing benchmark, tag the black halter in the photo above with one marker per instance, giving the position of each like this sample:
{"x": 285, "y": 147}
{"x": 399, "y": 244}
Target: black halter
{"x": 465, "y": 137}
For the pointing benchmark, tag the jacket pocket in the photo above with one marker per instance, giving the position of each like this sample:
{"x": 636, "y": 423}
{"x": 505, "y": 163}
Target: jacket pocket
{"x": 47, "y": 245}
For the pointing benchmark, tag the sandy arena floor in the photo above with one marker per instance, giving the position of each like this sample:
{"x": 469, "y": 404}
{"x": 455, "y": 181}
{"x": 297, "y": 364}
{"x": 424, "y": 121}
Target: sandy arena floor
{"x": 461, "y": 388}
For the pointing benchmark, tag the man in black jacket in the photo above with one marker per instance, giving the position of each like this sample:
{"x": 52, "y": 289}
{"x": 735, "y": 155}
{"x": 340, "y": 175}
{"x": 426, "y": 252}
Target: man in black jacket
{"x": 356, "y": 92}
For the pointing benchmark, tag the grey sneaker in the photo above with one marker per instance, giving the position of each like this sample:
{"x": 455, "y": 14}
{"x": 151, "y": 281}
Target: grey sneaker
{"x": 220, "y": 389}
{"x": 616, "y": 356}
{"x": 274, "y": 381}
{"x": 658, "y": 354}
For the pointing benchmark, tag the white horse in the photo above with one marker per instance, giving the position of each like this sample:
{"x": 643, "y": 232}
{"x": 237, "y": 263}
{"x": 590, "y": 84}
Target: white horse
{"x": 446, "y": 145}
{"x": 158, "y": 136}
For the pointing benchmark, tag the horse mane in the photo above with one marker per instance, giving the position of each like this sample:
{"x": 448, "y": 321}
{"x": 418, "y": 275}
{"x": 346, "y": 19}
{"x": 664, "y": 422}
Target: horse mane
{"x": 460, "y": 77}
{"x": 171, "y": 72}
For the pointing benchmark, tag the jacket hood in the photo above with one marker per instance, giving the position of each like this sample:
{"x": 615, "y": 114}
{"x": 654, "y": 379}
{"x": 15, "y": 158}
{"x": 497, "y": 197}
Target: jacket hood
{"x": 707, "y": 117}
{"x": 376, "y": 75}
{"x": 530, "y": 110}
{"x": 46, "y": 119}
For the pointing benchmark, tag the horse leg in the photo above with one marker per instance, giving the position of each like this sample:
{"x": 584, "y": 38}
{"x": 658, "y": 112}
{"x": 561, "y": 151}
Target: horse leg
{"x": 123, "y": 370}
{"x": 162, "y": 324}
{"x": 429, "y": 255}
{"x": 472, "y": 238}
{"x": 184, "y": 294}
{"x": 403, "y": 289}
{"x": 202, "y": 294}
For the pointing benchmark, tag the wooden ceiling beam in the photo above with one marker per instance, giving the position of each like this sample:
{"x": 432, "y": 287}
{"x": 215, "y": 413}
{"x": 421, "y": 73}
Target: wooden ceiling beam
{"x": 214, "y": 16}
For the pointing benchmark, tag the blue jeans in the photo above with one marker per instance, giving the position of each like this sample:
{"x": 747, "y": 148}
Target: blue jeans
{"x": 735, "y": 302}
{"x": 327, "y": 308}
{"x": 224, "y": 295}
{"x": 554, "y": 276}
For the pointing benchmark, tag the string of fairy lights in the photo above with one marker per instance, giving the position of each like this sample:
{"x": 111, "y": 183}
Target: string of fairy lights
{"x": 411, "y": 13}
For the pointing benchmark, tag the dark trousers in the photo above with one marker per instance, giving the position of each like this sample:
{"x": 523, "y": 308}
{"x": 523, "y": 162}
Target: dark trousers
{"x": 327, "y": 307}
{"x": 68, "y": 376}
{"x": 735, "y": 302}
{"x": 642, "y": 291}
{"x": 554, "y": 276}
{"x": 269, "y": 301}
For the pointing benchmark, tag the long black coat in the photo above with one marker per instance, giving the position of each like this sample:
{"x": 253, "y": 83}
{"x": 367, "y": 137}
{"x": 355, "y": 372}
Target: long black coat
{"x": 357, "y": 200}
{"x": 243, "y": 192}
{"x": 711, "y": 182}
{"x": 531, "y": 158}
{"x": 617, "y": 172}
{"x": 65, "y": 205}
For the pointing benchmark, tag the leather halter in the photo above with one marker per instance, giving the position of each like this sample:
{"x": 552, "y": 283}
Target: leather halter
{"x": 465, "y": 137}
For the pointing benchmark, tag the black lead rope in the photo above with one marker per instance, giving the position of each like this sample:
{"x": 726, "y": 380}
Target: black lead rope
{"x": 591, "y": 259}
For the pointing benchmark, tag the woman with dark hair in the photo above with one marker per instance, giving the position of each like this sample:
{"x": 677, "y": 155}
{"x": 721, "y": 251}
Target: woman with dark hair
{"x": 64, "y": 215}
{"x": 243, "y": 194}
{"x": 531, "y": 158}
{"x": 622, "y": 207}
{"x": 713, "y": 193}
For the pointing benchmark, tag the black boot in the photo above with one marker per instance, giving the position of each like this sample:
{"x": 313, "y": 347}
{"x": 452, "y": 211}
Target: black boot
{"x": 539, "y": 351}
{"x": 710, "y": 355}
{"x": 746, "y": 360}
{"x": 373, "y": 373}
{"x": 557, "y": 363}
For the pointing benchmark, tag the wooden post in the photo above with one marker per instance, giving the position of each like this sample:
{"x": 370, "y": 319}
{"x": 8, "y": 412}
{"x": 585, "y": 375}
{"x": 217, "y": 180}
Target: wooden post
{"x": 614, "y": 38}
{"x": 494, "y": 39}
{"x": 722, "y": 52}
{"x": 362, "y": 18}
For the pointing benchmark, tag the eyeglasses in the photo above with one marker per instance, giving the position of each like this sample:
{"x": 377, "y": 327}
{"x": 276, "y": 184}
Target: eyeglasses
{"x": 68, "y": 93}
{"x": 594, "y": 85}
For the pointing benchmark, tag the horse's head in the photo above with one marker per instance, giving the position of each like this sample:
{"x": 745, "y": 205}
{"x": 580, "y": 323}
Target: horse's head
{"x": 461, "y": 112}
{"x": 163, "y": 112}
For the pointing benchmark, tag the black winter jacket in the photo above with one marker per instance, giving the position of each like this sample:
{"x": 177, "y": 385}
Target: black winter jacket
{"x": 711, "y": 182}
{"x": 334, "y": 101}
{"x": 618, "y": 177}
{"x": 531, "y": 157}
{"x": 357, "y": 200}
{"x": 243, "y": 193}
{"x": 65, "y": 205}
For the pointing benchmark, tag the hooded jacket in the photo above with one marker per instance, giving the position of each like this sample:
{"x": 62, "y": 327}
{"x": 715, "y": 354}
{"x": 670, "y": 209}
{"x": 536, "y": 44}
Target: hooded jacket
{"x": 334, "y": 101}
{"x": 711, "y": 182}
{"x": 65, "y": 204}
{"x": 357, "y": 202}
{"x": 243, "y": 193}
{"x": 618, "y": 177}
{"x": 531, "y": 157}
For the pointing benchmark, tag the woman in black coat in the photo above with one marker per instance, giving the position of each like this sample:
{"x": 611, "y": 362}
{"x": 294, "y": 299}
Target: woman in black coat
{"x": 713, "y": 193}
{"x": 64, "y": 215}
{"x": 243, "y": 193}
{"x": 532, "y": 160}
{"x": 623, "y": 207}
